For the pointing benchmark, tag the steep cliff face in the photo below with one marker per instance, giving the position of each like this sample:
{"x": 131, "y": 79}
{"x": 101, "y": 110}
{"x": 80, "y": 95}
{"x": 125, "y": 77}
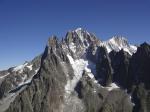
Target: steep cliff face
{"x": 120, "y": 62}
{"x": 139, "y": 67}
{"x": 80, "y": 74}
{"x": 140, "y": 78}
{"x": 104, "y": 70}
{"x": 46, "y": 91}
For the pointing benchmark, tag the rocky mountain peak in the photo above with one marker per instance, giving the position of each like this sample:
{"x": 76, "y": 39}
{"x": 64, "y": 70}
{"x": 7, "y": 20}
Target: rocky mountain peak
{"x": 145, "y": 46}
{"x": 52, "y": 41}
{"x": 84, "y": 35}
{"x": 143, "y": 50}
{"x": 75, "y": 70}
{"x": 80, "y": 37}
{"x": 79, "y": 30}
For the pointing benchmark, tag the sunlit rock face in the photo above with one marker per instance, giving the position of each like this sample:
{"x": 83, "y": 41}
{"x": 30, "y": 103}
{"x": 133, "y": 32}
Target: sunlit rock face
{"x": 80, "y": 73}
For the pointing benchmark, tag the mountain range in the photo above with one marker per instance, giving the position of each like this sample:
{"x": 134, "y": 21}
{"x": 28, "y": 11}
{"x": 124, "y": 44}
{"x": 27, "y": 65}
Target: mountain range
{"x": 80, "y": 73}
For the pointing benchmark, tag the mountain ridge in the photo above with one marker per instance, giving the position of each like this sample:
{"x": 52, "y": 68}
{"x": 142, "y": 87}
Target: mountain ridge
{"x": 75, "y": 70}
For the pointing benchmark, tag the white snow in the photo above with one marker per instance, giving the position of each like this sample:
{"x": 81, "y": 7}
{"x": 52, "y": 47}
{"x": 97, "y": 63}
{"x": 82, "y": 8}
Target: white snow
{"x": 78, "y": 65}
{"x": 36, "y": 71}
{"x": 131, "y": 100}
{"x": 20, "y": 68}
{"x": 127, "y": 50}
{"x": 130, "y": 97}
{"x": 108, "y": 48}
{"x": 72, "y": 47}
{"x": 25, "y": 81}
{"x": 91, "y": 75}
{"x": 133, "y": 48}
{"x": 111, "y": 44}
{"x": 71, "y": 59}
{"x": 88, "y": 33}
{"x": 95, "y": 81}
{"x": 94, "y": 90}
{"x": 89, "y": 72}
{"x": 80, "y": 33}
{"x": 112, "y": 41}
{"x": 112, "y": 86}
{"x": 78, "y": 29}
{"x": 29, "y": 66}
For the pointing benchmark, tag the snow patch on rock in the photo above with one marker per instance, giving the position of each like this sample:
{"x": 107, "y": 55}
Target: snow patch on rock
{"x": 131, "y": 100}
{"x": 20, "y": 68}
{"x": 72, "y": 47}
{"x": 78, "y": 66}
{"x": 112, "y": 86}
{"x": 26, "y": 80}
{"x": 79, "y": 32}
{"x": 29, "y": 67}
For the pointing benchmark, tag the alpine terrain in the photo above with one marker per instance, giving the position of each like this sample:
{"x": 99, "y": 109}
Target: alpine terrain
{"x": 80, "y": 73}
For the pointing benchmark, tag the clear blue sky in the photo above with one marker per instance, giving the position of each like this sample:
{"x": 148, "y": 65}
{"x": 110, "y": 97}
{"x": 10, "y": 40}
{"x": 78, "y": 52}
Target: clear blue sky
{"x": 25, "y": 25}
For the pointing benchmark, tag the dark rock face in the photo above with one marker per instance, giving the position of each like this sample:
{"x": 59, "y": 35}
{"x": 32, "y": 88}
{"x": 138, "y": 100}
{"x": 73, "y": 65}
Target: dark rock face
{"x": 132, "y": 73}
{"x": 120, "y": 63}
{"x": 79, "y": 74}
{"x": 89, "y": 94}
{"x": 139, "y": 67}
{"x": 45, "y": 93}
{"x": 100, "y": 100}
{"x": 104, "y": 70}
{"x": 117, "y": 101}
{"x": 140, "y": 78}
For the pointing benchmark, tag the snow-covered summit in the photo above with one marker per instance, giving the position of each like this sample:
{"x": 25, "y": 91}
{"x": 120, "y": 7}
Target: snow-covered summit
{"x": 84, "y": 35}
{"x": 79, "y": 29}
{"x": 82, "y": 39}
{"x": 80, "y": 32}
{"x": 117, "y": 43}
